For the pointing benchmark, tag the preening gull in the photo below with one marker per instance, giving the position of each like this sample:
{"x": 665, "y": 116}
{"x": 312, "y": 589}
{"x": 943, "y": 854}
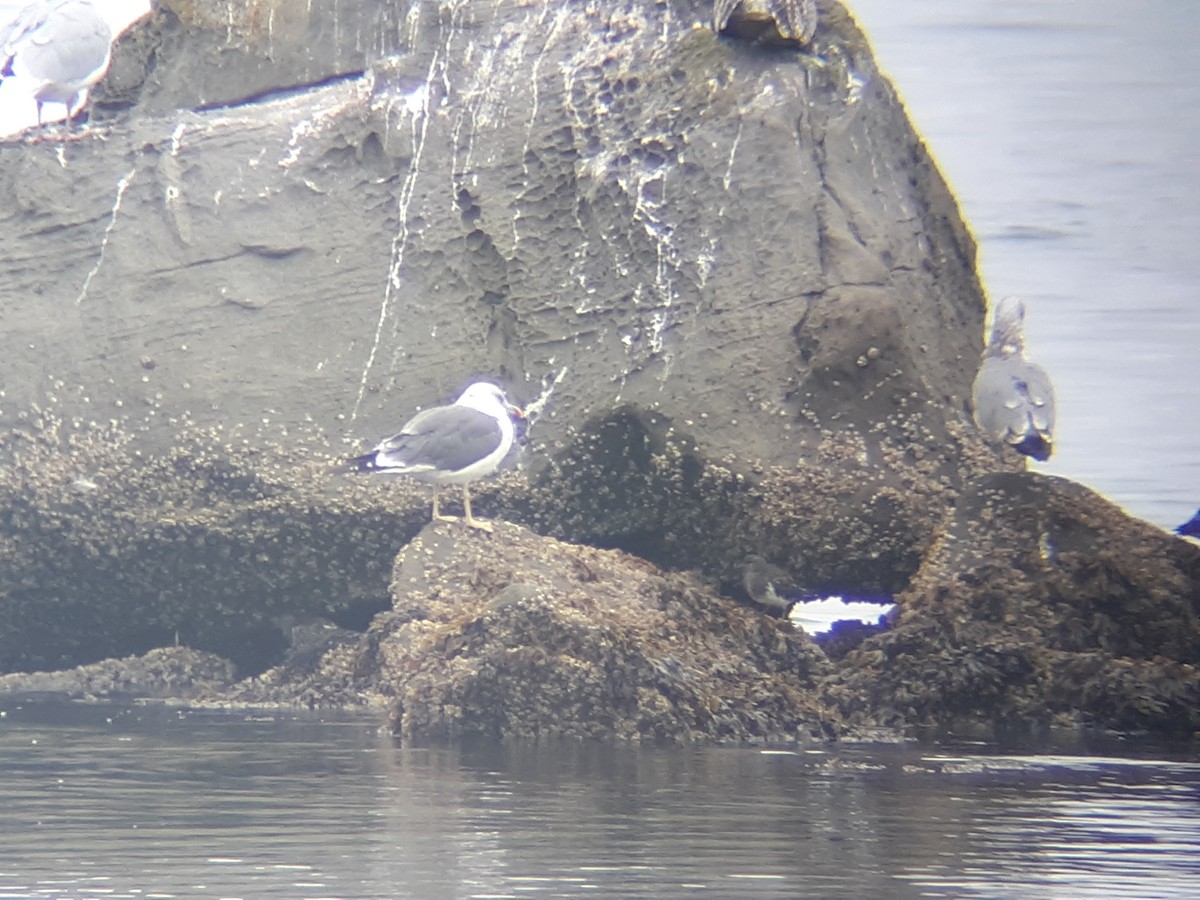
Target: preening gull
{"x": 1013, "y": 398}
{"x": 61, "y": 48}
{"x": 454, "y": 444}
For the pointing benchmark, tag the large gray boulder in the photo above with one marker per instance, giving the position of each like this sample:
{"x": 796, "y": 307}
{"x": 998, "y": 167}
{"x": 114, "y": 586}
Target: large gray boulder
{"x": 727, "y": 278}
{"x": 751, "y": 244}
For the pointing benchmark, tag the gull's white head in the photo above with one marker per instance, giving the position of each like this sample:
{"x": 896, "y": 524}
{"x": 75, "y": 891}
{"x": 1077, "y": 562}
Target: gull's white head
{"x": 1008, "y": 328}
{"x": 488, "y": 398}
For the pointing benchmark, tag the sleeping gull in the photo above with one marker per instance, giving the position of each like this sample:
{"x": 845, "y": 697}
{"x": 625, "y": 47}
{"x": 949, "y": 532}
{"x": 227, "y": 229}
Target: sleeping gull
{"x": 1013, "y": 398}
{"x": 60, "y": 48}
{"x": 454, "y": 444}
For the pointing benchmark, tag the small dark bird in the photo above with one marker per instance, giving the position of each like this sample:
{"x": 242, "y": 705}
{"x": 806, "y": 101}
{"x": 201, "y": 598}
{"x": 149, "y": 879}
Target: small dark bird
{"x": 771, "y": 587}
{"x": 62, "y": 47}
{"x": 1190, "y": 528}
{"x": 454, "y": 444}
{"x": 768, "y": 21}
{"x": 1013, "y": 398}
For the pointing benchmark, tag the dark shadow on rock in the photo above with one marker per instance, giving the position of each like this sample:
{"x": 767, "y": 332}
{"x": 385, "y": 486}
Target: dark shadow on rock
{"x": 846, "y": 636}
{"x": 636, "y": 481}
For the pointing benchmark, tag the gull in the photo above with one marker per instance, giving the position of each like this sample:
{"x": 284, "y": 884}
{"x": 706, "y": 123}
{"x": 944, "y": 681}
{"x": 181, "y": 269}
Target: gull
{"x": 454, "y": 444}
{"x": 771, "y": 21}
{"x": 774, "y": 589}
{"x": 60, "y": 47}
{"x": 1013, "y": 398}
{"x": 771, "y": 587}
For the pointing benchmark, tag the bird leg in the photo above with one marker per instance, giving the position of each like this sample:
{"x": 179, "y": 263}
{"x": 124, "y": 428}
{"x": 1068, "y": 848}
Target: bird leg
{"x": 437, "y": 515}
{"x": 470, "y": 519}
{"x": 65, "y": 135}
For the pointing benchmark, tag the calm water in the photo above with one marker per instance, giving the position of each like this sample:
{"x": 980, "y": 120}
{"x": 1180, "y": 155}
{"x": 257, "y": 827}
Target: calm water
{"x": 150, "y": 802}
{"x": 1070, "y": 130}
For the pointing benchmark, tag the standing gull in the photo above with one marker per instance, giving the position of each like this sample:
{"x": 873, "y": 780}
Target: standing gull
{"x": 60, "y": 47}
{"x": 1013, "y": 398}
{"x": 770, "y": 586}
{"x": 454, "y": 444}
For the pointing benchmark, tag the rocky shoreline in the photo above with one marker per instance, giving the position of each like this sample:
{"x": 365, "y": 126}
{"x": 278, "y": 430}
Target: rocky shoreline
{"x": 1037, "y": 605}
{"x": 729, "y": 280}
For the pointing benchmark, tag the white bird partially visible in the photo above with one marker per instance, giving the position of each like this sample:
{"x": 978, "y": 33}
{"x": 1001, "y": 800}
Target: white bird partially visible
{"x": 1013, "y": 398}
{"x": 61, "y": 48}
{"x": 454, "y": 444}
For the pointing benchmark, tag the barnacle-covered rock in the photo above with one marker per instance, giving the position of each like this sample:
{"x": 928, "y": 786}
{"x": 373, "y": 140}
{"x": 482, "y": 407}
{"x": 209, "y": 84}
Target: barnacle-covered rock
{"x": 732, "y": 284}
{"x": 518, "y": 635}
{"x": 174, "y": 673}
{"x": 1041, "y": 603}
{"x": 109, "y": 551}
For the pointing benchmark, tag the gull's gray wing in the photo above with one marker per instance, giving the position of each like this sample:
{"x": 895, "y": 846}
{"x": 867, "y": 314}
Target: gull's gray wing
{"x": 1014, "y": 402}
{"x": 442, "y": 439}
{"x": 64, "y": 44}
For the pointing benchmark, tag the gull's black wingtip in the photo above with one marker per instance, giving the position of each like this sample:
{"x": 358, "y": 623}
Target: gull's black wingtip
{"x": 1035, "y": 446}
{"x": 365, "y": 463}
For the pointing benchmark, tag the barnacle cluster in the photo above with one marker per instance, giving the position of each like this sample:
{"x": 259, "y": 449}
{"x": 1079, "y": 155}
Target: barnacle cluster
{"x": 1040, "y": 603}
{"x": 109, "y": 549}
{"x": 1030, "y": 599}
{"x": 634, "y": 481}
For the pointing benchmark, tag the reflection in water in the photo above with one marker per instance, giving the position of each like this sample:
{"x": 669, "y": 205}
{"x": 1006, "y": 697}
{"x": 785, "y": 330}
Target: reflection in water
{"x": 1069, "y": 135}
{"x": 150, "y": 801}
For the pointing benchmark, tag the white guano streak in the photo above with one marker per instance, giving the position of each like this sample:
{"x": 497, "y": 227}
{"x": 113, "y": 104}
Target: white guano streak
{"x": 415, "y": 106}
{"x": 122, "y": 187}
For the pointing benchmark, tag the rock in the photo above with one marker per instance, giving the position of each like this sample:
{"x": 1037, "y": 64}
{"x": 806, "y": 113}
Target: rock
{"x": 263, "y": 47}
{"x": 1040, "y": 604}
{"x": 174, "y": 673}
{"x": 728, "y": 280}
{"x": 753, "y": 248}
{"x": 107, "y": 552}
{"x": 515, "y": 635}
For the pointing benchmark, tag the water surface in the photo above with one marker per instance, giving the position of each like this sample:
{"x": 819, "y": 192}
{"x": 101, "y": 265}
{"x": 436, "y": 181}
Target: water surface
{"x": 154, "y": 802}
{"x": 1070, "y": 133}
